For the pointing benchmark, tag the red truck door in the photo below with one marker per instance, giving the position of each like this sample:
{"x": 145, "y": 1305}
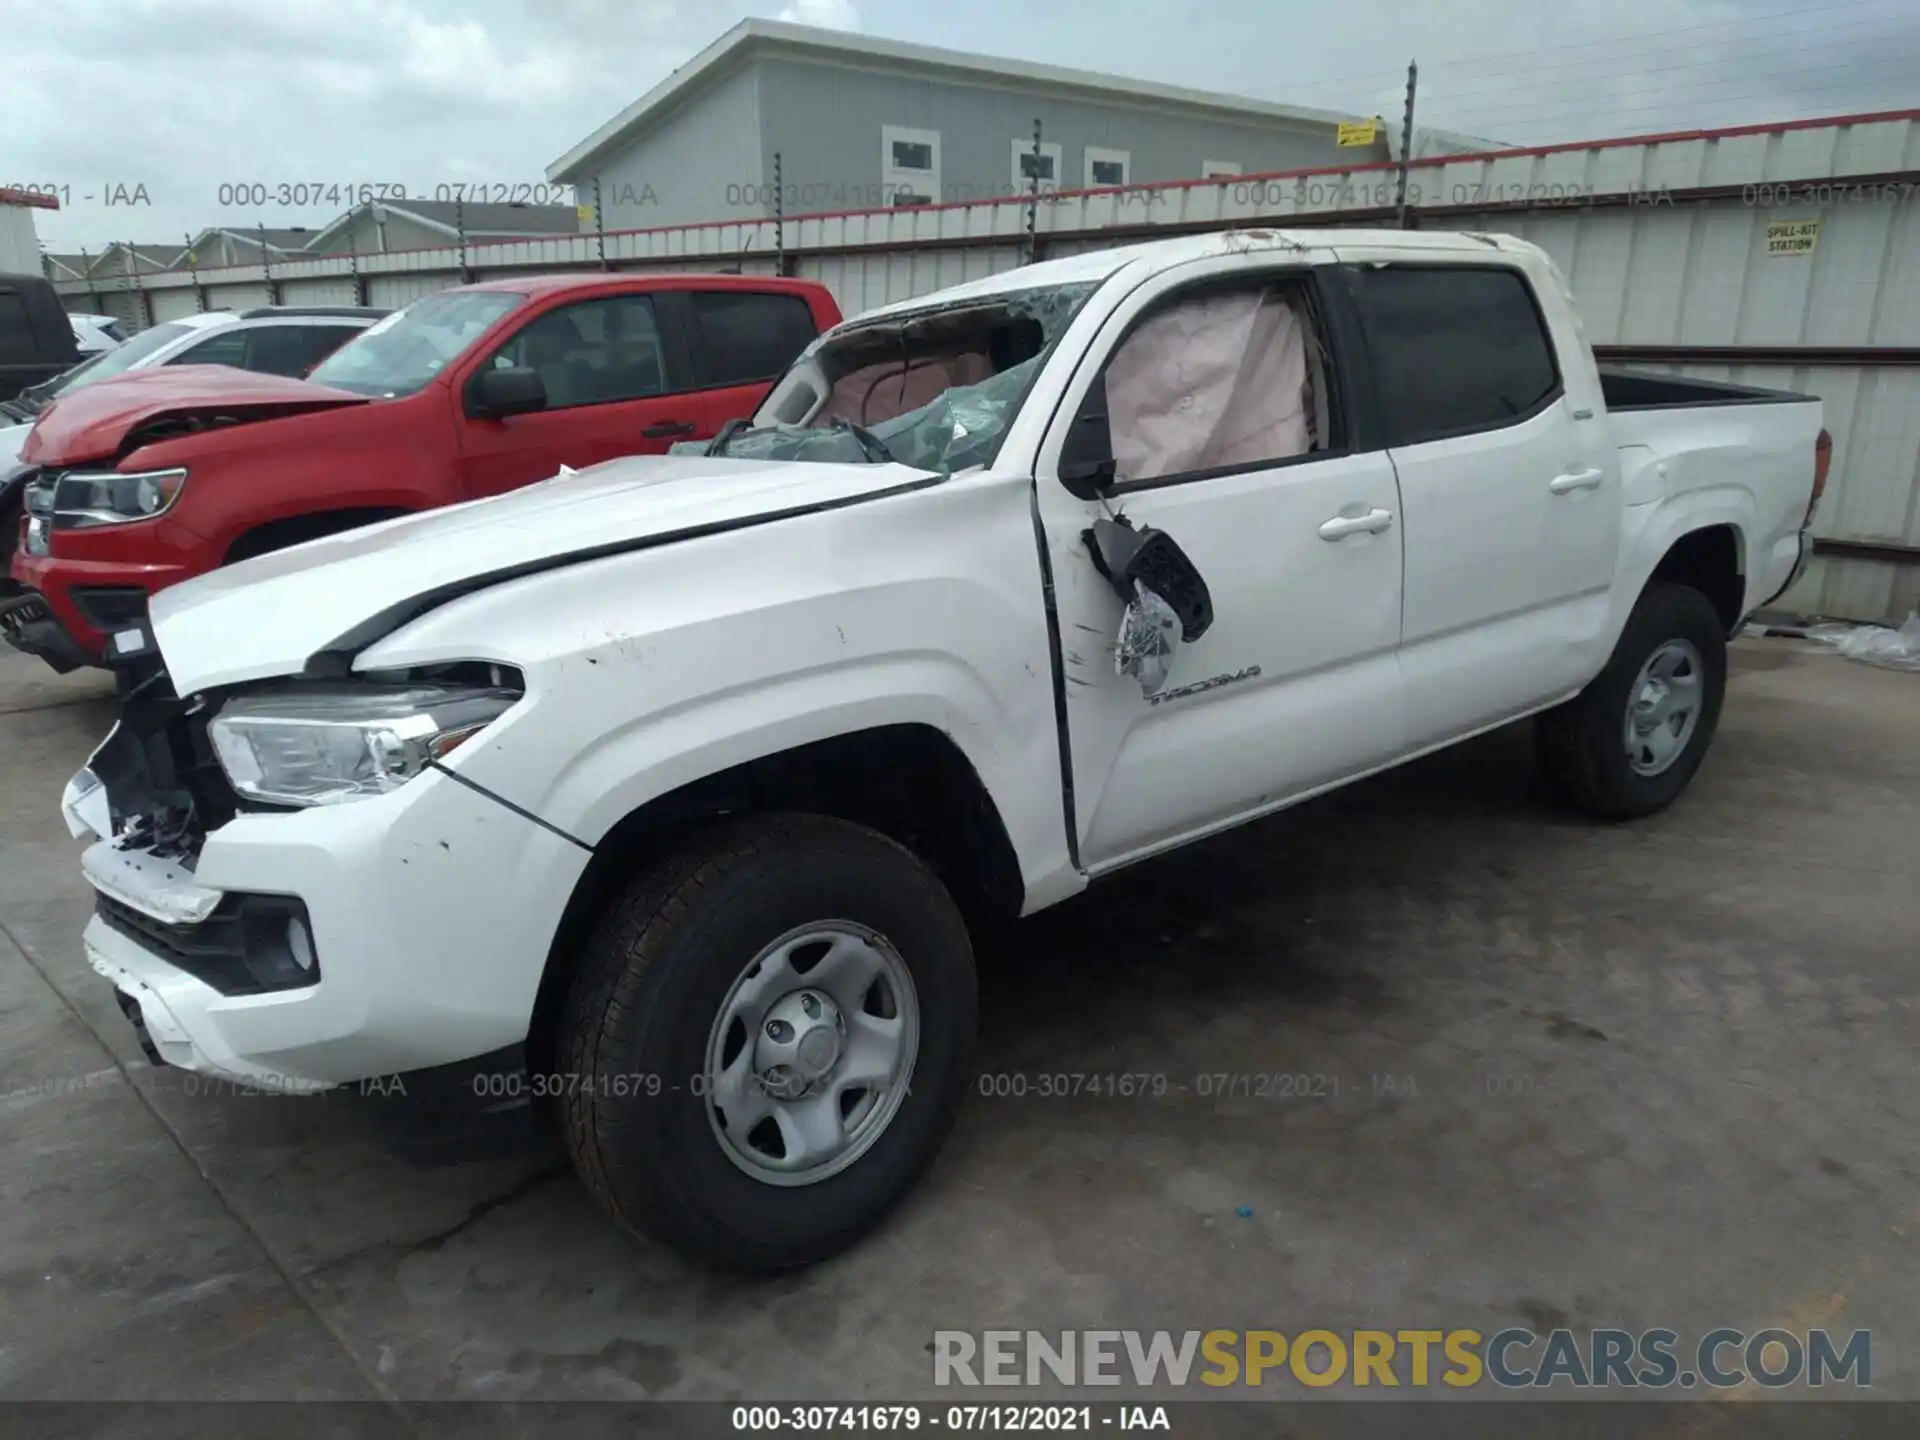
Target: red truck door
{"x": 617, "y": 383}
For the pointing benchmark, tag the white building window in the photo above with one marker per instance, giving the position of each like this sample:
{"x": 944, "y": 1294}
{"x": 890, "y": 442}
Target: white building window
{"x": 909, "y": 165}
{"x": 1108, "y": 167}
{"x": 1215, "y": 169}
{"x": 1024, "y": 160}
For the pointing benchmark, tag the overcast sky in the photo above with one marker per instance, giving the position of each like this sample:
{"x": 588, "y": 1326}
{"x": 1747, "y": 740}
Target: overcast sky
{"x": 181, "y": 96}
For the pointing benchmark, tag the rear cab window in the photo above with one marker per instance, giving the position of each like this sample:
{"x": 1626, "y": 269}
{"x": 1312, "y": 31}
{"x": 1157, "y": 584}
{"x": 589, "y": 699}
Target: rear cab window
{"x": 749, "y": 338}
{"x": 1456, "y": 349}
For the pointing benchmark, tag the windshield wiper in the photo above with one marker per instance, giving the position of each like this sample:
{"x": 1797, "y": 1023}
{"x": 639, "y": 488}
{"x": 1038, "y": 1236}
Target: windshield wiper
{"x": 875, "y": 447}
{"x": 718, "y": 445}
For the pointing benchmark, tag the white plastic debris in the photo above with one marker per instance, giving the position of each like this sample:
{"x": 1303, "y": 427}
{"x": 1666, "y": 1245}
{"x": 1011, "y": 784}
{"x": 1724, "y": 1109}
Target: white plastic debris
{"x": 1874, "y": 644}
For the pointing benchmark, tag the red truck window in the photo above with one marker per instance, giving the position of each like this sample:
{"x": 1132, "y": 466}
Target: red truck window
{"x": 749, "y": 337}
{"x": 593, "y": 352}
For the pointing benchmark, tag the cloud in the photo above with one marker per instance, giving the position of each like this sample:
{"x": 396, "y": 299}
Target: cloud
{"x": 187, "y": 96}
{"x": 831, "y": 14}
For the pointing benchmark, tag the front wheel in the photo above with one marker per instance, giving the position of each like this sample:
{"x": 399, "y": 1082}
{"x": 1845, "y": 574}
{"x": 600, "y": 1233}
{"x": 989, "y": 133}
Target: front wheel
{"x": 767, "y": 1040}
{"x": 1628, "y": 744}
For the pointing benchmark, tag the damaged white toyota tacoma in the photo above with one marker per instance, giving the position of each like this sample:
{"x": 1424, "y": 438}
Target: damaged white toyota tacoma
{"x": 665, "y": 791}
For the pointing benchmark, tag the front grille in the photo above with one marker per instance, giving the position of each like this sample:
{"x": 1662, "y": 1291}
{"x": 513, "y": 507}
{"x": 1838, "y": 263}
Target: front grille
{"x": 241, "y": 949}
{"x": 18, "y": 613}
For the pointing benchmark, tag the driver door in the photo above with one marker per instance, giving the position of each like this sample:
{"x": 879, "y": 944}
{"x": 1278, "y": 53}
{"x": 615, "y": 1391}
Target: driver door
{"x": 1228, "y": 415}
{"x": 614, "y": 387}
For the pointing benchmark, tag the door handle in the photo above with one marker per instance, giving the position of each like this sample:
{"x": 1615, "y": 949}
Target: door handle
{"x": 1341, "y": 526}
{"x": 668, "y": 428}
{"x": 1578, "y": 480}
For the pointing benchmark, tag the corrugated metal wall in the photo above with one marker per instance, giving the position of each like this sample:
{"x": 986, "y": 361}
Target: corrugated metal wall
{"x": 1687, "y": 251}
{"x": 19, "y": 247}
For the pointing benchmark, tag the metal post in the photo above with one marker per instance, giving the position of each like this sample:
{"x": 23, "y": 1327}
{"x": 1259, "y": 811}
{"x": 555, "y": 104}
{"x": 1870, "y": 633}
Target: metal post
{"x": 1033, "y": 198}
{"x": 1406, "y": 146}
{"x": 266, "y": 264}
{"x": 130, "y": 272}
{"x": 86, "y": 274}
{"x": 353, "y": 267}
{"x": 779, "y": 221}
{"x": 193, "y": 273}
{"x": 460, "y": 236}
{"x": 599, "y": 227}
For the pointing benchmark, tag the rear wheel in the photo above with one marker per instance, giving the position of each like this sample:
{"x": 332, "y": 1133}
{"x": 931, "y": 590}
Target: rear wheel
{"x": 767, "y": 1040}
{"x": 1630, "y": 742}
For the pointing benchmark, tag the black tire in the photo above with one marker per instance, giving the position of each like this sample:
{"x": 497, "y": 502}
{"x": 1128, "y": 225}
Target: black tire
{"x": 651, "y": 982}
{"x": 1581, "y": 744}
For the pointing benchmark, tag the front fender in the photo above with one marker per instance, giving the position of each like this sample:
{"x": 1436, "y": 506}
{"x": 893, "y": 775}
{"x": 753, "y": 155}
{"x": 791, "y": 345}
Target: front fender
{"x": 650, "y": 671}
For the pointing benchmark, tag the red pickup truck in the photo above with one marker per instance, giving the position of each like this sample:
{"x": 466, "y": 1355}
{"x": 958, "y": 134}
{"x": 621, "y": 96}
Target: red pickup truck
{"x": 148, "y": 479}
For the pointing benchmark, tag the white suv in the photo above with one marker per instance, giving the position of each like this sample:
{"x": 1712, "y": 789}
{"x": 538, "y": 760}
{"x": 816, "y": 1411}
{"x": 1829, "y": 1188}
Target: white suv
{"x": 276, "y": 340}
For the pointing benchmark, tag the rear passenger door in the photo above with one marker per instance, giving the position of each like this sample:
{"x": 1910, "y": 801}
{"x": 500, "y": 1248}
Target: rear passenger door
{"x": 1509, "y": 489}
{"x": 618, "y": 383}
{"x": 742, "y": 341}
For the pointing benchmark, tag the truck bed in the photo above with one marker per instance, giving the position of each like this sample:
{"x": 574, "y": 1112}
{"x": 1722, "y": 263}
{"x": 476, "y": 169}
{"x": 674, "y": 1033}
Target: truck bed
{"x": 1626, "y": 389}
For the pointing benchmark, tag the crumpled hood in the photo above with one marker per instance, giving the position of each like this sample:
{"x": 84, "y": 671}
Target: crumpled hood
{"x": 96, "y": 421}
{"x": 269, "y": 616}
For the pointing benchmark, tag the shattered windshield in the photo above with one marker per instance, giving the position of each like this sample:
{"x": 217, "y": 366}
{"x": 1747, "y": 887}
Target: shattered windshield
{"x": 935, "y": 389}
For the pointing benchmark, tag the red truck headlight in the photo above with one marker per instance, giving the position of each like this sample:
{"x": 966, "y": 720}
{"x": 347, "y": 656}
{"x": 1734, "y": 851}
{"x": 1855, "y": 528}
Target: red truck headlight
{"x": 84, "y": 498}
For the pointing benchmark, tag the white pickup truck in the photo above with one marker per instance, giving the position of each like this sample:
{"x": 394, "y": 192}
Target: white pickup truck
{"x": 660, "y": 790}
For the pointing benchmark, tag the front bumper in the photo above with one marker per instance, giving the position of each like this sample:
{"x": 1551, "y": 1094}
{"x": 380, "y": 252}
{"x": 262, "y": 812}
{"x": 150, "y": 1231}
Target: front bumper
{"x": 431, "y": 909}
{"x": 29, "y": 625}
{"x": 86, "y": 600}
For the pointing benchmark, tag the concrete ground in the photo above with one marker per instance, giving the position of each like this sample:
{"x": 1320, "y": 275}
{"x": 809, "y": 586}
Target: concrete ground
{"x": 1651, "y": 1075}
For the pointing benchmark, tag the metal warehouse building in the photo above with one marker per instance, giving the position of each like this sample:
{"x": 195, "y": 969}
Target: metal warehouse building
{"x": 1785, "y": 254}
{"x": 858, "y": 122}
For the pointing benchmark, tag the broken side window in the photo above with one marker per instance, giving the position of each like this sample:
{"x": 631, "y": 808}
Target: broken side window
{"x": 937, "y": 388}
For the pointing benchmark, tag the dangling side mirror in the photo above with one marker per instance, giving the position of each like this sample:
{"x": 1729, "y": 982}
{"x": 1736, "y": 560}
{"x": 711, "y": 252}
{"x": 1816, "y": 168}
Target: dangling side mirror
{"x": 1166, "y": 597}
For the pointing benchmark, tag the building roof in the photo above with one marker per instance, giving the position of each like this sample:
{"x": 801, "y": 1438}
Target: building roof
{"x": 751, "y": 39}
{"x": 287, "y": 240}
{"x": 143, "y": 257}
{"x": 32, "y": 199}
{"x": 74, "y": 266}
{"x": 481, "y": 221}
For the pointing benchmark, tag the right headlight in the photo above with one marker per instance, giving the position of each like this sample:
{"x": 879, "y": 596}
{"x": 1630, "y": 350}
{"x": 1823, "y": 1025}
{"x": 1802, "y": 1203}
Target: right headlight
{"x": 294, "y": 747}
{"x": 83, "y": 498}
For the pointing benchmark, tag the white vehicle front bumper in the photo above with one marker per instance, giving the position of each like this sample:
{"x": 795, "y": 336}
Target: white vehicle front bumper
{"x": 432, "y": 910}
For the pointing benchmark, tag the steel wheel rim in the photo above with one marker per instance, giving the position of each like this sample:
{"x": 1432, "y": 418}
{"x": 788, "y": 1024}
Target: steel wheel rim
{"x": 1663, "y": 706}
{"x": 811, "y": 1053}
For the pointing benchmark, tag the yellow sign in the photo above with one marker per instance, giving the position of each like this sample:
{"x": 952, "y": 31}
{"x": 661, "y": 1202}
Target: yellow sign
{"x": 1357, "y": 132}
{"x": 1792, "y": 237}
{"x": 585, "y": 212}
